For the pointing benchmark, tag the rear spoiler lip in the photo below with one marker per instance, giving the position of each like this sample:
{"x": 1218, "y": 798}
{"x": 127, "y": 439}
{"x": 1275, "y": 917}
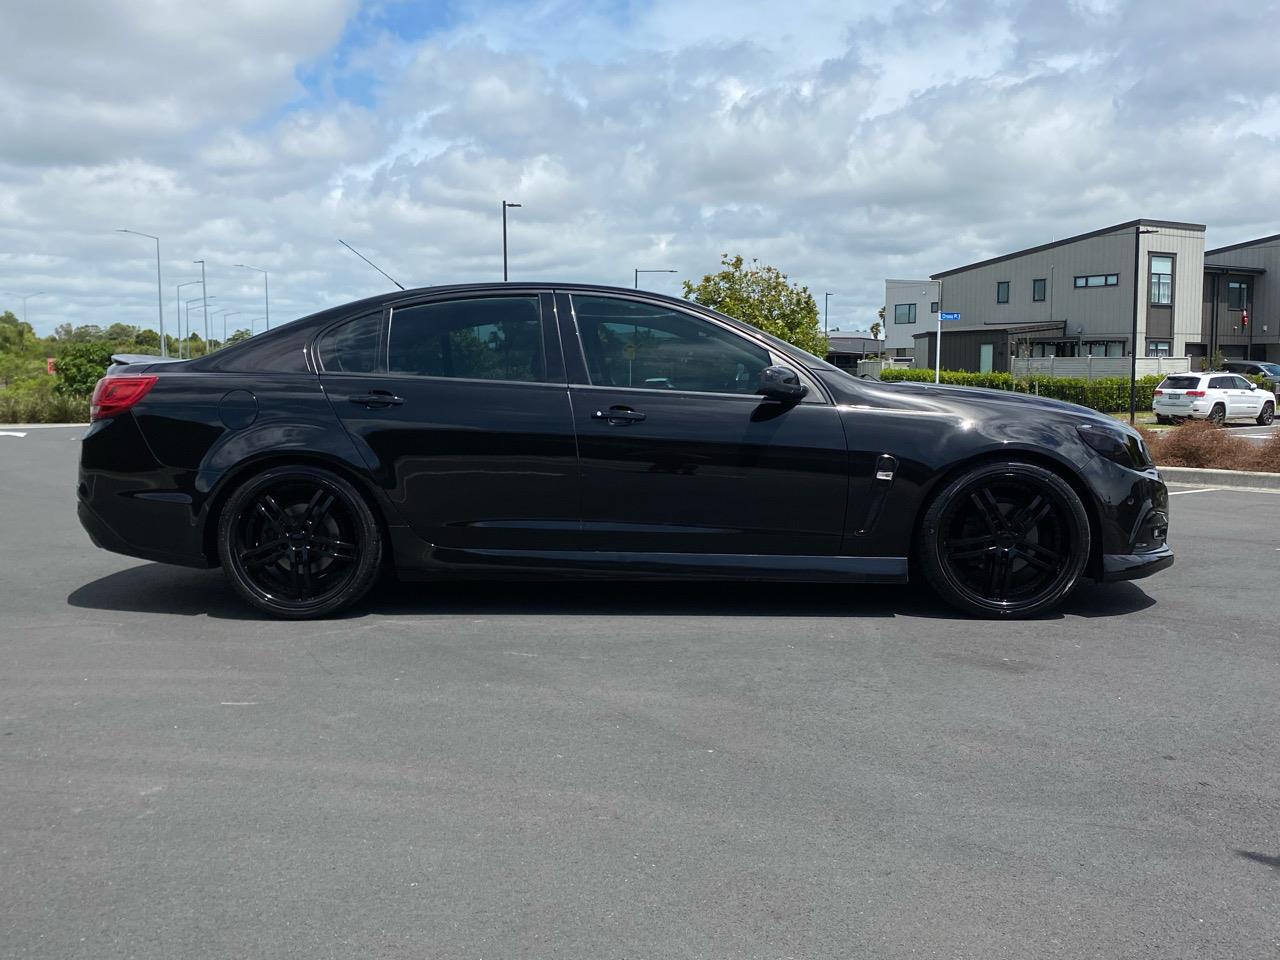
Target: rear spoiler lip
{"x": 138, "y": 361}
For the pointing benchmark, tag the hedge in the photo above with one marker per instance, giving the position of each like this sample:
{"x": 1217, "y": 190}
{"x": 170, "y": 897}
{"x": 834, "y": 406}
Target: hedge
{"x": 1106, "y": 394}
{"x": 21, "y": 406}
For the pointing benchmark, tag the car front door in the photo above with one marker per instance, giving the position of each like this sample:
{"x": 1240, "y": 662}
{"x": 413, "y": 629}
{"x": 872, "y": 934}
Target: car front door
{"x": 678, "y": 453}
{"x": 1250, "y": 399}
{"x": 460, "y": 407}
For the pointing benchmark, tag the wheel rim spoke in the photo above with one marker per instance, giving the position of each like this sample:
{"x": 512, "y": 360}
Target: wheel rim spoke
{"x": 297, "y": 542}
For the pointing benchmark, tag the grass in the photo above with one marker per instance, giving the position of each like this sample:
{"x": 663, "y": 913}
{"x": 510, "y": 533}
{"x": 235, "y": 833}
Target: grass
{"x": 41, "y": 407}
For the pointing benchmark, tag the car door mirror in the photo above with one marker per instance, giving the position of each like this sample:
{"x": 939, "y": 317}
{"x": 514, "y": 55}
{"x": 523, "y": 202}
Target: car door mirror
{"x": 781, "y": 383}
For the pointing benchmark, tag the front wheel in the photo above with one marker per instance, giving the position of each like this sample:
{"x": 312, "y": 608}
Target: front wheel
{"x": 1218, "y": 415}
{"x": 1267, "y": 415}
{"x": 1006, "y": 540}
{"x": 299, "y": 542}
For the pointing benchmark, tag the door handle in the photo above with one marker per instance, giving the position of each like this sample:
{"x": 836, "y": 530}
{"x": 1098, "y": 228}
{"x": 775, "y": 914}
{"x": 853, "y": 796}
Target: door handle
{"x": 377, "y": 398}
{"x": 618, "y": 415}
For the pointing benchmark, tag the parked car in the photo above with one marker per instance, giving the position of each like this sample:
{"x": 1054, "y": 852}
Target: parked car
{"x": 1256, "y": 368}
{"x": 530, "y": 430}
{"x": 1216, "y": 397}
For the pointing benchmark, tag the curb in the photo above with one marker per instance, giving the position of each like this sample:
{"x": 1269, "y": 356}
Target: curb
{"x": 38, "y": 426}
{"x": 1236, "y": 479}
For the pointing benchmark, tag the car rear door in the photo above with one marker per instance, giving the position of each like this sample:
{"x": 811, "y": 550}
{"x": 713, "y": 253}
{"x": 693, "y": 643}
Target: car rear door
{"x": 459, "y": 404}
{"x": 678, "y": 454}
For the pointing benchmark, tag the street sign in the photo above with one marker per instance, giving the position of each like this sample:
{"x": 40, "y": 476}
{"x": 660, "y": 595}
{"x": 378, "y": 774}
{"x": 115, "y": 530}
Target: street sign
{"x": 948, "y": 316}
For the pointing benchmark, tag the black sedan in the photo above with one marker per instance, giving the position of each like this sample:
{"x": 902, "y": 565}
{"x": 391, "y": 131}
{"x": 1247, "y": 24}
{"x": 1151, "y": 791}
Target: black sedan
{"x": 546, "y": 430}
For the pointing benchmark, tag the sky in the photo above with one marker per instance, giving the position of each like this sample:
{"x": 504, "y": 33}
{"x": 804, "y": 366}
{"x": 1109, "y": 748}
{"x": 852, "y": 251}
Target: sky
{"x": 843, "y": 141}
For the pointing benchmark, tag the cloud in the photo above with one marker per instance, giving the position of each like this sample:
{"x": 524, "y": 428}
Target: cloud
{"x": 844, "y": 142}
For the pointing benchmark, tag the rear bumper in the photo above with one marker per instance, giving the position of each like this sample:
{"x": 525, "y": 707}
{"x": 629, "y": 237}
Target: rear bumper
{"x": 1135, "y": 566}
{"x": 105, "y": 537}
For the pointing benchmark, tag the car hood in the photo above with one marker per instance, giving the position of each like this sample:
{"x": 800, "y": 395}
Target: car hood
{"x": 944, "y": 395}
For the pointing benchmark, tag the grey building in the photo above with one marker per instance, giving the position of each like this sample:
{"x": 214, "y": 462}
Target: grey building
{"x": 1243, "y": 280}
{"x": 1191, "y": 302}
{"x": 1086, "y": 284}
{"x": 984, "y": 348}
{"x": 910, "y": 306}
{"x": 844, "y": 350}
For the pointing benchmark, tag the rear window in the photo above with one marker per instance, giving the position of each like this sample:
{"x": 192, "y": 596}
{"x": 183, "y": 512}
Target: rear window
{"x": 352, "y": 347}
{"x": 1180, "y": 383}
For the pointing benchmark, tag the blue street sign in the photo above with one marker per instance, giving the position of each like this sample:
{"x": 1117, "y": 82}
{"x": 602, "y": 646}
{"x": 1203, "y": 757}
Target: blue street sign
{"x": 949, "y": 316}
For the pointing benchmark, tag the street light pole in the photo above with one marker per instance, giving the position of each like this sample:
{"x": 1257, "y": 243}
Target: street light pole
{"x": 266, "y": 291}
{"x": 178, "y": 307}
{"x": 638, "y": 271}
{"x": 1133, "y": 343}
{"x": 188, "y": 305}
{"x": 29, "y": 296}
{"x": 164, "y": 350}
{"x": 204, "y": 290}
{"x": 505, "y": 205}
{"x": 826, "y": 307}
{"x": 233, "y": 313}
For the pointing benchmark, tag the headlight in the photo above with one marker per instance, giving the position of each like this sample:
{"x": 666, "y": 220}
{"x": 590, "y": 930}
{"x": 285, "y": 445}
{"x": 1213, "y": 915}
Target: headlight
{"x": 1117, "y": 445}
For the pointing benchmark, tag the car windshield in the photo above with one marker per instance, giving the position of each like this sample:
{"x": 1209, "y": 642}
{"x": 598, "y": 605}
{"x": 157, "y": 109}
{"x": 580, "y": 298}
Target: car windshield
{"x": 1180, "y": 383}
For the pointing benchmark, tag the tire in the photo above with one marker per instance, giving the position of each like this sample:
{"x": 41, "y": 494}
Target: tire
{"x": 299, "y": 542}
{"x": 1218, "y": 415}
{"x": 1267, "y": 415}
{"x": 1005, "y": 540}
{"x": 1161, "y": 418}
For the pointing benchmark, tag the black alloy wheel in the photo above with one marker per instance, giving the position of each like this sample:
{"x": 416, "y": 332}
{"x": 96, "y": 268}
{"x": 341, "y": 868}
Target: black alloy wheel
{"x": 299, "y": 542}
{"x": 1267, "y": 415}
{"x": 1218, "y": 415}
{"x": 1005, "y": 540}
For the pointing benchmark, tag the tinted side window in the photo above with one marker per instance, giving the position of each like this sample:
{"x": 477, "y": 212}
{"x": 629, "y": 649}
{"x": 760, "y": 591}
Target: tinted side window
{"x": 487, "y": 338}
{"x": 630, "y": 344}
{"x": 352, "y": 347}
{"x": 1242, "y": 383}
{"x": 1222, "y": 383}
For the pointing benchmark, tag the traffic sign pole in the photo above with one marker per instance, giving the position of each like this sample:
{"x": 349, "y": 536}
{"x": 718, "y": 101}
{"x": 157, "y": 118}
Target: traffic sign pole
{"x": 937, "y": 358}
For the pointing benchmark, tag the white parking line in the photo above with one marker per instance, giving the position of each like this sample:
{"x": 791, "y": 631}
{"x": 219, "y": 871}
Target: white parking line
{"x": 1174, "y": 493}
{"x": 12, "y": 433}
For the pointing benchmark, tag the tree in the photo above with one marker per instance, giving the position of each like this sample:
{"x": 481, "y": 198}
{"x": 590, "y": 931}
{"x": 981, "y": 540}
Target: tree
{"x": 881, "y": 314}
{"x": 875, "y": 331}
{"x": 763, "y": 297}
{"x": 80, "y": 366}
{"x": 239, "y": 335}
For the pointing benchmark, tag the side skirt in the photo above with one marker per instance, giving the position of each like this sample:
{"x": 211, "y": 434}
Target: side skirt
{"x": 414, "y": 562}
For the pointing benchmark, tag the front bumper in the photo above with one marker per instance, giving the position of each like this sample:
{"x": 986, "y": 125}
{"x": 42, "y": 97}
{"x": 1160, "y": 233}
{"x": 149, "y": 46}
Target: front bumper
{"x": 1135, "y": 566}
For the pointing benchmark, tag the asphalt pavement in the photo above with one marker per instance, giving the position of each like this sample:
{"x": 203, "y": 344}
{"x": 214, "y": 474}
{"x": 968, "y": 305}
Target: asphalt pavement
{"x": 633, "y": 770}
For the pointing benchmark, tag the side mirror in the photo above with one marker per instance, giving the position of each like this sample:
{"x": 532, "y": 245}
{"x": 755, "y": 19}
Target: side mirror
{"x": 781, "y": 383}
{"x": 1252, "y": 385}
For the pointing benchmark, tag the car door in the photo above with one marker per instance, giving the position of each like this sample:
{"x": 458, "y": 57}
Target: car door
{"x": 678, "y": 454}
{"x": 1250, "y": 399}
{"x": 1222, "y": 390}
{"x": 459, "y": 404}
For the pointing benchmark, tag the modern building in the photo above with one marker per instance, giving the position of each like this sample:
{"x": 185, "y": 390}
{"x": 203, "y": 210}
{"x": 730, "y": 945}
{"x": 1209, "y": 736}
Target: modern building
{"x": 1190, "y": 301}
{"x": 909, "y": 307}
{"x": 846, "y": 349}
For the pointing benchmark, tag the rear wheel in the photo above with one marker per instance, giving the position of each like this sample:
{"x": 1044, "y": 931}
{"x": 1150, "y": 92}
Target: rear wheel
{"x": 1005, "y": 540}
{"x": 1218, "y": 415}
{"x": 1161, "y": 418}
{"x": 299, "y": 542}
{"x": 1268, "y": 414}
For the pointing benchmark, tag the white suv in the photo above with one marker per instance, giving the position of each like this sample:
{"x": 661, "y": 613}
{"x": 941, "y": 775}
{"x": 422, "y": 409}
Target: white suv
{"x": 1216, "y": 397}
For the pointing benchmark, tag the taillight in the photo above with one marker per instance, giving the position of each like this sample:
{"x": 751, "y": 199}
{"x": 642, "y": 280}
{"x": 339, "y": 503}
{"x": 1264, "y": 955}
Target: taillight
{"x": 1159, "y": 393}
{"x": 1195, "y": 393}
{"x": 114, "y": 395}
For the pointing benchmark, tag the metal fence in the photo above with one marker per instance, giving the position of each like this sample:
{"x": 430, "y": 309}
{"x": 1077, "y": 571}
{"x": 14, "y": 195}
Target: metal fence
{"x": 1093, "y": 368}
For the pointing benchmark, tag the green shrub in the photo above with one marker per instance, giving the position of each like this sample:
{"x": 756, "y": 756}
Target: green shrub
{"x": 80, "y": 366}
{"x": 1105, "y": 394}
{"x": 37, "y": 403}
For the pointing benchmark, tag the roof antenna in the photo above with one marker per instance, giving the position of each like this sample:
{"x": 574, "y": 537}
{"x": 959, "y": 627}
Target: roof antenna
{"x": 371, "y": 263}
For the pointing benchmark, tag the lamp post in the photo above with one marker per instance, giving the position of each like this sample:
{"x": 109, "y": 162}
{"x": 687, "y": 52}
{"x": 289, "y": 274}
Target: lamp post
{"x": 638, "y": 271}
{"x": 266, "y": 292}
{"x": 233, "y": 313}
{"x": 505, "y": 207}
{"x": 212, "y": 316}
{"x": 205, "y": 309}
{"x": 178, "y": 293}
{"x": 1133, "y": 344}
{"x": 826, "y": 307}
{"x": 164, "y": 350}
{"x": 188, "y": 304}
{"x": 24, "y": 300}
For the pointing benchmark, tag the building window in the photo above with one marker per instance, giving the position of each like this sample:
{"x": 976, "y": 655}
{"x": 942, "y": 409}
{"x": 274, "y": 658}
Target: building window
{"x": 904, "y": 313}
{"x": 1102, "y": 348}
{"x": 1099, "y": 280}
{"x": 1161, "y": 281}
{"x": 1238, "y": 295}
{"x": 1002, "y": 291}
{"x": 1158, "y": 348}
{"x": 933, "y": 306}
{"x": 1038, "y": 290}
